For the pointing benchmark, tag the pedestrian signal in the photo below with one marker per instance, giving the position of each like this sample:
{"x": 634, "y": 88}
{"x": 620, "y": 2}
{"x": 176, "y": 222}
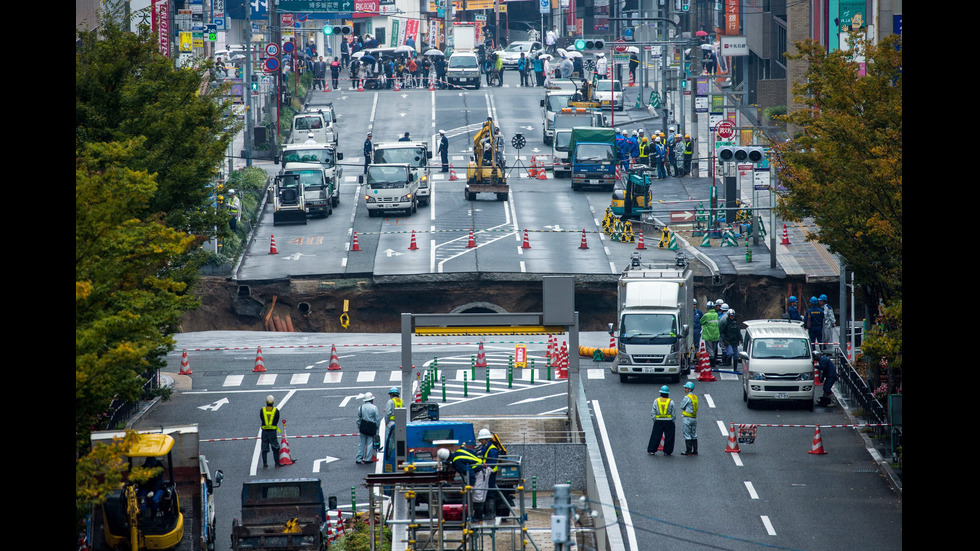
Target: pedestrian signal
{"x": 255, "y": 83}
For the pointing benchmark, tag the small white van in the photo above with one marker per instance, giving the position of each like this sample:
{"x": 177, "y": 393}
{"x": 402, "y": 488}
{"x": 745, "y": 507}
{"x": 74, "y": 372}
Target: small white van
{"x": 777, "y": 363}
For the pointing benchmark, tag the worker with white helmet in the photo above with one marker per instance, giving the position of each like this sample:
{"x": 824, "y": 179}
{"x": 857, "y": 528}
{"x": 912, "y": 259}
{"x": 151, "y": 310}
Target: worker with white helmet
{"x": 709, "y": 331}
{"x": 663, "y": 423}
{"x": 689, "y": 411}
{"x": 489, "y": 453}
{"x": 731, "y": 338}
{"x": 368, "y": 421}
{"x": 269, "y": 418}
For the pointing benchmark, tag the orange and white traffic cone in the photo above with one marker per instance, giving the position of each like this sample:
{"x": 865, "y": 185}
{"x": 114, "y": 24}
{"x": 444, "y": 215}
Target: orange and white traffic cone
{"x": 452, "y": 174}
{"x": 413, "y": 246}
{"x": 639, "y": 243}
{"x": 732, "y": 441}
{"x": 259, "y": 363}
{"x": 472, "y": 242}
{"x": 398, "y": 86}
{"x": 585, "y": 244}
{"x": 632, "y": 83}
{"x": 542, "y": 172}
{"x": 785, "y": 240}
{"x": 817, "y": 447}
{"x": 185, "y": 364}
{"x": 532, "y": 170}
{"x": 272, "y": 247}
{"x": 526, "y": 244}
{"x": 432, "y": 85}
{"x": 334, "y": 361}
{"x": 360, "y": 86}
{"x": 704, "y": 366}
{"x": 481, "y": 356}
{"x": 354, "y": 246}
{"x": 284, "y": 458}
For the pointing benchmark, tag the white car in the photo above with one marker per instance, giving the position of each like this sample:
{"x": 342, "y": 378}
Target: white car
{"x": 512, "y": 53}
{"x": 607, "y": 91}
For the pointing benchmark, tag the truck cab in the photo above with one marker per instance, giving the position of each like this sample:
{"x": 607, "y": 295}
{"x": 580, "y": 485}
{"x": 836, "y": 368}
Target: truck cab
{"x": 593, "y": 156}
{"x": 464, "y": 69}
{"x": 553, "y": 102}
{"x": 316, "y": 123}
{"x": 390, "y": 187}
{"x": 560, "y": 153}
{"x": 416, "y": 155}
{"x": 654, "y": 319}
{"x": 327, "y": 157}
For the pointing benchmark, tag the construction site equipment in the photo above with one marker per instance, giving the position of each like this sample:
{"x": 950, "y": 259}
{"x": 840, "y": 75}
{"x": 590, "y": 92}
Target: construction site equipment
{"x": 288, "y": 198}
{"x": 485, "y": 173}
{"x": 281, "y": 515}
{"x": 634, "y": 198}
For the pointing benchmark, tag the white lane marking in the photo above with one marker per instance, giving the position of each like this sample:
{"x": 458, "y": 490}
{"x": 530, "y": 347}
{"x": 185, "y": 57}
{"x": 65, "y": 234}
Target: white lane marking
{"x": 768, "y": 525}
{"x": 614, "y": 472}
{"x": 751, "y": 490}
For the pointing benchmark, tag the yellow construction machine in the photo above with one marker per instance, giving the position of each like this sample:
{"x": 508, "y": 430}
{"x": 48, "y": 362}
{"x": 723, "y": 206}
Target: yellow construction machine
{"x": 485, "y": 173}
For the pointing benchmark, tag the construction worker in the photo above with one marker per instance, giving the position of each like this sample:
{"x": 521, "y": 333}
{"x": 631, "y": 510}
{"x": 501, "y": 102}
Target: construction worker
{"x": 394, "y": 401}
{"x": 814, "y": 322}
{"x": 828, "y": 373}
{"x": 474, "y": 472}
{"x": 794, "y": 312}
{"x": 644, "y": 147}
{"x": 489, "y": 453}
{"x": 829, "y": 321}
{"x": 661, "y": 157}
{"x": 697, "y": 327}
{"x": 368, "y": 420}
{"x": 688, "y": 154}
{"x": 689, "y": 410}
{"x": 709, "y": 331}
{"x": 234, "y": 209}
{"x": 269, "y": 417}
{"x": 663, "y": 423}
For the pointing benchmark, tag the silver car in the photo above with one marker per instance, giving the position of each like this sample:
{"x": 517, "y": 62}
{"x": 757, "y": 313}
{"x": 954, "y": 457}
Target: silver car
{"x": 512, "y": 53}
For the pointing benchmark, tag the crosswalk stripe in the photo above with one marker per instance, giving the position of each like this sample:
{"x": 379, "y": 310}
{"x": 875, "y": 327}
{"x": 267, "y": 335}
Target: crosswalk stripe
{"x": 233, "y": 380}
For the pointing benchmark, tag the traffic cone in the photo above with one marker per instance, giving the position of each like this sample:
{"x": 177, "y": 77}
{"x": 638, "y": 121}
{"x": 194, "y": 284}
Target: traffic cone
{"x": 413, "y": 246}
{"x": 817, "y": 447}
{"x": 532, "y": 170}
{"x": 704, "y": 366}
{"x": 585, "y": 244}
{"x": 639, "y": 244}
{"x": 284, "y": 458}
{"x": 542, "y": 172}
{"x": 185, "y": 364}
{"x": 732, "y": 441}
{"x": 452, "y": 174}
{"x": 354, "y": 246}
{"x": 526, "y": 244}
{"x": 662, "y": 439}
{"x": 472, "y": 242}
{"x": 334, "y": 361}
{"x": 481, "y": 356}
{"x": 259, "y": 364}
{"x": 785, "y": 236}
{"x": 619, "y": 172}
{"x": 432, "y": 85}
{"x": 272, "y": 248}
{"x": 360, "y": 86}
{"x": 632, "y": 82}
{"x": 398, "y": 86}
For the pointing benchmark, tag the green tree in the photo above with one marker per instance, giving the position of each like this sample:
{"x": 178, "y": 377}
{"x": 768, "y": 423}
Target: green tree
{"x": 130, "y": 281}
{"x": 843, "y": 168}
{"x": 124, "y": 89}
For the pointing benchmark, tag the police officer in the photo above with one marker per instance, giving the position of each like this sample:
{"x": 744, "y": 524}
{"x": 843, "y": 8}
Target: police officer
{"x": 689, "y": 410}
{"x": 394, "y": 401}
{"x": 368, "y": 152}
{"x": 269, "y": 417}
{"x": 697, "y": 327}
{"x": 794, "y": 312}
{"x": 489, "y": 453}
{"x": 444, "y": 150}
{"x": 663, "y": 423}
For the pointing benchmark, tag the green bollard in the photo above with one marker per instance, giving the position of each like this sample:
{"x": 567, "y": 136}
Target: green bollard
{"x": 549, "y": 368}
{"x": 353, "y": 502}
{"x": 466, "y": 392}
{"x": 534, "y": 492}
{"x": 532, "y": 371}
{"x": 510, "y": 376}
{"x": 488, "y": 378}
{"x": 444, "y": 388}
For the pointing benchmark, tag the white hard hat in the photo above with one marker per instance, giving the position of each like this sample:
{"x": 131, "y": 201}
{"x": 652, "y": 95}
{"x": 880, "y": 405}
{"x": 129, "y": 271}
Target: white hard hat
{"x": 724, "y": 306}
{"x": 484, "y": 433}
{"x": 731, "y": 312}
{"x": 600, "y": 54}
{"x": 310, "y": 135}
{"x": 369, "y": 397}
{"x": 710, "y": 304}
{"x": 443, "y": 454}
{"x": 269, "y": 399}
{"x": 231, "y": 192}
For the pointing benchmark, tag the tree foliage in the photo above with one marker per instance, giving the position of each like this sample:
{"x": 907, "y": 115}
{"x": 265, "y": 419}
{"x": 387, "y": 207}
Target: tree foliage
{"x": 124, "y": 89}
{"x": 843, "y": 169}
{"x": 102, "y": 470}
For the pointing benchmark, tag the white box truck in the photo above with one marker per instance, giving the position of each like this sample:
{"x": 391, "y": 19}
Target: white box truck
{"x": 655, "y": 314}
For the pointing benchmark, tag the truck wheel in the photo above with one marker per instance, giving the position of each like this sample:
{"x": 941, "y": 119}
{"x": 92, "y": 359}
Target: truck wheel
{"x": 415, "y": 207}
{"x": 675, "y": 378}
{"x": 335, "y": 201}
{"x": 501, "y": 196}
{"x": 624, "y": 378}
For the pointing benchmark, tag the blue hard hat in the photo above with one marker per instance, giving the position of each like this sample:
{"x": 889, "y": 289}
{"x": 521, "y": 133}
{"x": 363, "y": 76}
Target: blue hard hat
{"x": 813, "y": 300}
{"x": 394, "y": 390}
{"x": 689, "y": 385}
{"x": 823, "y": 298}
{"x": 664, "y": 390}
{"x": 792, "y": 299}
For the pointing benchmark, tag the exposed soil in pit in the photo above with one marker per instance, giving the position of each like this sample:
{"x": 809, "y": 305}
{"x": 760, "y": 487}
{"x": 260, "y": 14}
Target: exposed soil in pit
{"x": 316, "y": 306}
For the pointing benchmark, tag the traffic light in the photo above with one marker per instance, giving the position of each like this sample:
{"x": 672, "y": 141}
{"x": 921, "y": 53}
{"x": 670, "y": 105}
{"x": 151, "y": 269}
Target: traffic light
{"x": 740, "y": 154}
{"x": 255, "y": 83}
{"x": 589, "y": 44}
{"x": 343, "y": 30}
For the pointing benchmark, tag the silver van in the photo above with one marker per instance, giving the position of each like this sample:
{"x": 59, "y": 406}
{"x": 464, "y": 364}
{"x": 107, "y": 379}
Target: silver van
{"x": 777, "y": 363}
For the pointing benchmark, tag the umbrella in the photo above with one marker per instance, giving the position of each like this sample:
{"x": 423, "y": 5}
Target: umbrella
{"x": 633, "y": 50}
{"x": 359, "y": 54}
{"x": 434, "y": 52}
{"x": 700, "y": 33}
{"x": 573, "y": 53}
{"x": 367, "y": 58}
{"x": 707, "y": 47}
{"x": 404, "y": 49}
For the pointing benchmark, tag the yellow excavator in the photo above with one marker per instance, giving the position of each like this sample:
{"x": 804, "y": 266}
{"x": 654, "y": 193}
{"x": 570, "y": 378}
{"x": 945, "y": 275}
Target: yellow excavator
{"x": 584, "y": 96}
{"x": 485, "y": 173}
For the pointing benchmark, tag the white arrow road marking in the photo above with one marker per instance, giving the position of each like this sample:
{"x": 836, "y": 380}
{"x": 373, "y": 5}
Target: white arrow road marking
{"x": 326, "y": 460}
{"x": 392, "y": 252}
{"x": 214, "y": 405}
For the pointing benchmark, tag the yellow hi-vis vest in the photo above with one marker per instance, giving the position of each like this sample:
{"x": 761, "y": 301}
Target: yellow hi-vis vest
{"x": 662, "y": 405}
{"x": 398, "y": 403}
{"x": 694, "y": 401}
{"x": 268, "y": 415}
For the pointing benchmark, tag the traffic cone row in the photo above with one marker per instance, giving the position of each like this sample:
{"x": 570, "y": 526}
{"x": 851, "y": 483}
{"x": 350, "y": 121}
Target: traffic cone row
{"x": 562, "y": 364}
{"x": 704, "y": 365}
{"x": 413, "y": 246}
{"x": 334, "y": 360}
{"x": 284, "y": 458}
{"x": 532, "y": 170}
{"x": 272, "y": 247}
{"x": 259, "y": 363}
{"x": 185, "y": 364}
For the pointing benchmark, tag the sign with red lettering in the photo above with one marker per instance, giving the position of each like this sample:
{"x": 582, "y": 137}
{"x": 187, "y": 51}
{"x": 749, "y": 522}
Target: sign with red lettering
{"x": 366, "y": 8}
